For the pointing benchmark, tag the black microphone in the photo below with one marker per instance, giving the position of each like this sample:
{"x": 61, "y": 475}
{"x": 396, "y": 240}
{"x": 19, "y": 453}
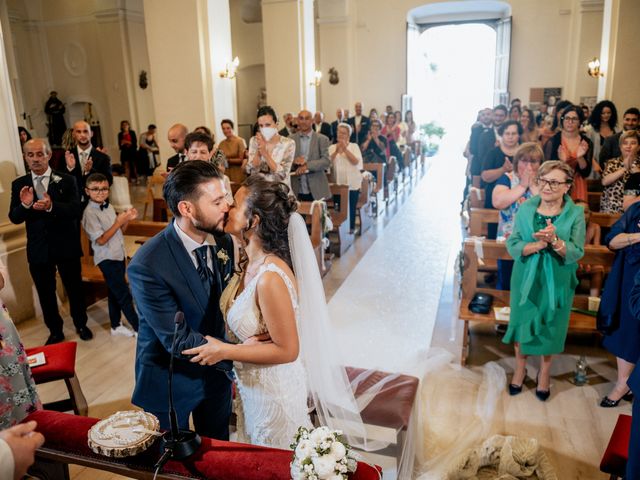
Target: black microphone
{"x": 177, "y": 444}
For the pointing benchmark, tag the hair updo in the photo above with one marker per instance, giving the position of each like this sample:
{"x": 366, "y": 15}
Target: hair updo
{"x": 272, "y": 203}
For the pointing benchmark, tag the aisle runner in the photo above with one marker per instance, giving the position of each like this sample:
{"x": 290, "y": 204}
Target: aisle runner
{"x": 384, "y": 313}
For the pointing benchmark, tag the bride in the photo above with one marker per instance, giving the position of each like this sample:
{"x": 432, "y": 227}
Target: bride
{"x": 262, "y": 300}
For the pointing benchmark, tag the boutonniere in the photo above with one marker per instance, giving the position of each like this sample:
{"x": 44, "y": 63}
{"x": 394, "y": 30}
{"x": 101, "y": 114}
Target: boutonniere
{"x": 223, "y": 256}
{"x": 55, "y": 178}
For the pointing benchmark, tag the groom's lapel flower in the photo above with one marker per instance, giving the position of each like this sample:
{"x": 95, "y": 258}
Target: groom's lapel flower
{"x": 223, "y": 256}
{"x": 55, "y": 178}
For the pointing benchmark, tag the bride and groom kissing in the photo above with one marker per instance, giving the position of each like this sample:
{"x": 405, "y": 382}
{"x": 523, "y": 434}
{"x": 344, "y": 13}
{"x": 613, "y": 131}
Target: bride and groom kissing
{"x": 245, "y": 277}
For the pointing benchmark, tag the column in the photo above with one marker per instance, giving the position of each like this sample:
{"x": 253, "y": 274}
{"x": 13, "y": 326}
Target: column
{"x": 189, "y": 43}
{"x": 289, "y": 53}
{"x": 618, "y": 54}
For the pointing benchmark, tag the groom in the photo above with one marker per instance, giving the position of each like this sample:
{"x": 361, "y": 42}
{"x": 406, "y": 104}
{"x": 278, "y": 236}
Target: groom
{"x": 185, "y": 268}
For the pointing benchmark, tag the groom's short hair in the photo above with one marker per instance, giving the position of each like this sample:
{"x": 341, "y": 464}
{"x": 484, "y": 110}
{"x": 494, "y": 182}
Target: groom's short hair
{"x": 183, "y": 183}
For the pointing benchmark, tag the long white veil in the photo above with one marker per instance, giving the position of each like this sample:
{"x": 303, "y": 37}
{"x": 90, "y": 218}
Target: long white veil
{"x": 328, "y": 383}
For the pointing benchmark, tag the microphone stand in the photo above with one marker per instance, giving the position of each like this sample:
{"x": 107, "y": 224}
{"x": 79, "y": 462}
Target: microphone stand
{"x": 177, "y": 444}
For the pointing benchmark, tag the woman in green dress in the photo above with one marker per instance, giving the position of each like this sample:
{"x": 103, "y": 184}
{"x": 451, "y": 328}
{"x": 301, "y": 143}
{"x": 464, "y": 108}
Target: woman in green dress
{"x": 546, "y": 244}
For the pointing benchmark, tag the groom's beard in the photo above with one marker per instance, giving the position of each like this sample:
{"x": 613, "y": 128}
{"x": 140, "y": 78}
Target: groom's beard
{"x": 208, "y": 227}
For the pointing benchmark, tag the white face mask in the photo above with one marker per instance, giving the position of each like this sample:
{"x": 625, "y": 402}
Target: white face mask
{"x": 268, "y": 132}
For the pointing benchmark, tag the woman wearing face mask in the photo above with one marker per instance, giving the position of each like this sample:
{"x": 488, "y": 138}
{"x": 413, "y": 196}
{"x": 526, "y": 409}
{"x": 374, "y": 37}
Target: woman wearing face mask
{"x": 270, "y": 154}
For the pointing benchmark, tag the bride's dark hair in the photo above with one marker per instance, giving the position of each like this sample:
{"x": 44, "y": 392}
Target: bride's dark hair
{"x": 272, "y": 203}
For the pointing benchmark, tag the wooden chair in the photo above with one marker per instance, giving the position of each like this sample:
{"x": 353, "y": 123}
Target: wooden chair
{"x": 377, "y": 194}
{"x": 155, "y": 199}
{"x": 492, "y": 250}
{"x": 340, "y": 237}
{"x": 313, "y": 217}
{"x": 60, "y": 365}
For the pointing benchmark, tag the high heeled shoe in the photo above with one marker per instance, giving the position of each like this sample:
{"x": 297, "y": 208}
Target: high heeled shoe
{"x": 543, "y": 395}
{"x": 516, "y": 389}
{"x": 606, "y": 402}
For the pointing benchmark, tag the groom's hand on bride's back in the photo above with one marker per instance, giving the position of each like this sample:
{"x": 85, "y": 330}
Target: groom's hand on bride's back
{"x": 256, "y": 339}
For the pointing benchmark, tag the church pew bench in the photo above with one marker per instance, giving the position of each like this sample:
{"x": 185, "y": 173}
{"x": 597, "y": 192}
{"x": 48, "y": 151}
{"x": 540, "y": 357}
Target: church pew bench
{"x": 594, "y": 201}
{"x": 476, "y": 197}
{"x": 605, "y": 220}
{"x": 313, "y": 217}
{"x": 493, "y": 250}
{"x": 364, "y": 204}
{"x": 390, "y": 180}
{"x": 340, "y": 237}
{"x": 66, "y": 443}
{"x": 594, "y": 185}
{"x": 378, "y": 170}
{"x": 479, "y": 220}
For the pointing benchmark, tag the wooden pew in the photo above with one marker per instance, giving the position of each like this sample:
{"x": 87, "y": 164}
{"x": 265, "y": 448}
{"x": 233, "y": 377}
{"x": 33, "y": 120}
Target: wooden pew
{"x": 492, "y": 250}
{"x": 378, "y": 171}
{"x": 340, "y": 237}
{"x": 594, "y": 201}
{"x": 476, "y": 197}
{"x": 479, "y": 218}
{"x": 314, "y": 219}
{"x": 364, "y": 207}
{"x": 605, "y": 220}
{"x": 390, "y": 187}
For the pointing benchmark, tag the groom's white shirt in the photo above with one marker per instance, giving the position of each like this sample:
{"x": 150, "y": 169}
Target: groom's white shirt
{"x": 190, "y": 245}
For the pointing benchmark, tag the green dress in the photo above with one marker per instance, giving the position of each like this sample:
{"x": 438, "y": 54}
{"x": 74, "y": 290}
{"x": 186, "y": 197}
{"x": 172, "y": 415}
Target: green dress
{"x": 543, "y": 284}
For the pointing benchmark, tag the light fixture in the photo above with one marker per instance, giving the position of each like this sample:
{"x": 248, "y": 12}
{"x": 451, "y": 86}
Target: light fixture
{"x": 594, "y": 68}
{"x": 317, "y": 78}
{"x": 230, "y": 69}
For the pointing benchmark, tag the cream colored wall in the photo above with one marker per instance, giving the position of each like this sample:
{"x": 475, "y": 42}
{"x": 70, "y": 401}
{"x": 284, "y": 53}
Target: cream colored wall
{"x": 541, "y": 40}
{"x": 623, "y": 74}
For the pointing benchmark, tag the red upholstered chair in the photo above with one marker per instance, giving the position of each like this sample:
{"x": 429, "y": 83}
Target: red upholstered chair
{"x": 614, "y": 460}
{"x": 61, "y": 365}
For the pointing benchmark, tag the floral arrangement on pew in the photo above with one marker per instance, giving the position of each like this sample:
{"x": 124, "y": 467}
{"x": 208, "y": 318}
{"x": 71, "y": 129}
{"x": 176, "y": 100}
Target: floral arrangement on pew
{"x": 321, "y": 454}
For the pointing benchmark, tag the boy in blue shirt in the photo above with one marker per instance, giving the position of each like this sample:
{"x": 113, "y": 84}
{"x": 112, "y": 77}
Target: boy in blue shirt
{"x": 104, "y": 229}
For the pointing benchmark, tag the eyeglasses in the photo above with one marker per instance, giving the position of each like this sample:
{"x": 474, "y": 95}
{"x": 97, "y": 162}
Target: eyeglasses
{"x": 553, "y": 184}
{"x": 571, "y": 119}
{"x": 99, "y": 190}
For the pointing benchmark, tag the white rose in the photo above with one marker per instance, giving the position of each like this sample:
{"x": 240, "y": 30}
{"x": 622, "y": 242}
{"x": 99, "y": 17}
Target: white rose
{"x": 338, "y": 451}
{"x": 305, "y": 448}
{"x": 336, "y": 477}
{"x": 319, "y": 434}
{"x": 324, "y": 467}
{"x": 296, "y": 473}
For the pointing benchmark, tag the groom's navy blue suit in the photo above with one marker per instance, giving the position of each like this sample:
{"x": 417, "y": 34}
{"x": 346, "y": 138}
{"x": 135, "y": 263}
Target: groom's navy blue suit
{"x": 164, "y": 280}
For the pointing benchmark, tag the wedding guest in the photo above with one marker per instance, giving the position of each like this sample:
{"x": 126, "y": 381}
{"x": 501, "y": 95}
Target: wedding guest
{"x": 233, "y": 147}
{"x": 128, "y": 145}
{"x": 359, "y": 123}
{"x": 404, "y": 129}
{"x": 624, "y": 340}
{"x": 487, "y": 141}
{"x": 176, "y": 136}
{"x": 617, "y": 171}
{"x": 334, "y": 125}
{"x": 320, "y": 126}
{"x": 631, "y": 190}
{"x": 346, "y": 163}
{"x": 18, "y": 394}
{"x": 411, "y": 129}
{"x": 511, "y": 190}
{"x": 149, "y": 151}
{"x": 199, "y": 146}
{"x": 270, "y": 153}
{"x": 602, "y": 124}
{"x": 546, "y": 243}
{"x": 633, "y": 456}
{"x": 24, "y": 135}
{"x": 514, "y": 113}
{"x": 374, "y": 148}
{"x": 104, "y": 229}
{"x": 611, "y": 146}
{"x": 557, "y": 113}
{"x": 18, "y": 445}
{"x": 309, "y": 180}
{"x": 530, "y": 131}
{"x": 569, "y": 145}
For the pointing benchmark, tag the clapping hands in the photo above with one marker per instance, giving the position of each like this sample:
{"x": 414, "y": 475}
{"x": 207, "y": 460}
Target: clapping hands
{"x": 547, "y": 234}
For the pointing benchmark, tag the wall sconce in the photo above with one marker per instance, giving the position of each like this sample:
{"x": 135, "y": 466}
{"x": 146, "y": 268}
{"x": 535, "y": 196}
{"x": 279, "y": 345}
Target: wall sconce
{"x": 594, "y": 68}
{"x": 230, "y": 70}
{"x": 317, "y": 78}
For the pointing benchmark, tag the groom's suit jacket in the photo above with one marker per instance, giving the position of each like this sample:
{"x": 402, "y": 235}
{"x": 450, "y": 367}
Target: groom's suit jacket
{"x": 164, "y": 280}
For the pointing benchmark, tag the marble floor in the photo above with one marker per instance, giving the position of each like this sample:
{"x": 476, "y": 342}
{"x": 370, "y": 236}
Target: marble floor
{"x": 391, "y": 297}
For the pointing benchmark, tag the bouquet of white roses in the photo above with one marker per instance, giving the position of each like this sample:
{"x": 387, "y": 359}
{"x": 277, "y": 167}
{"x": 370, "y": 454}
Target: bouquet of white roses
{"x": 321, "y": 454}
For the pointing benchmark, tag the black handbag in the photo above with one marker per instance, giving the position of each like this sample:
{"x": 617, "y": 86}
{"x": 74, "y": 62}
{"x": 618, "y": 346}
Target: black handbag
{"x": 481, "y": 303}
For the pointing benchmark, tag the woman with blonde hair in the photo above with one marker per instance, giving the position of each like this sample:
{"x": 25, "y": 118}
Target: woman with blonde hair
{"x": 546, "y": 244}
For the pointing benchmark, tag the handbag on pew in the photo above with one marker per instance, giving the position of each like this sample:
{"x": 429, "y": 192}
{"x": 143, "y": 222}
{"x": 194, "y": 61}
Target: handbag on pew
{"x": 481, "y": 303}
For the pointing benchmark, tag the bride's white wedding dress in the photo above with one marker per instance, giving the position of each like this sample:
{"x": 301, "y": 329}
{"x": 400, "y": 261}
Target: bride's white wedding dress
{"x": 272, "y": 401}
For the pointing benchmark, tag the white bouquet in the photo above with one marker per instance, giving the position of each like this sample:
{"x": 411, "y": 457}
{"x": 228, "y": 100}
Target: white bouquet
{"x": 321, "y": 454}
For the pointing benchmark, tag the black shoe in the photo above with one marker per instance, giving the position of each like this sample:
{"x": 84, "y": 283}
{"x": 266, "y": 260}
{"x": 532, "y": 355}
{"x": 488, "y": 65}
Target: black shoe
{"x": 608, "y": 403}
{"x": 54, "y": 338}
{"x": 84, "y": 333}
{"x": 628, "y": 396}
{"x": 542, "y": 395}
{"x": 514, "y": 389}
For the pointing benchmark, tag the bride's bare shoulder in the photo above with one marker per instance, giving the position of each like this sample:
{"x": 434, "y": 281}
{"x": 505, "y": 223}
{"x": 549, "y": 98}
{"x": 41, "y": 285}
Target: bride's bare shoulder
{"x": 273, "y": 277}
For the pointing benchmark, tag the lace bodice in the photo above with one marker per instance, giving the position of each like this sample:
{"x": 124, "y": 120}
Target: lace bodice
{"x": 272, "y": 399}
{"x": 243, "y": 316}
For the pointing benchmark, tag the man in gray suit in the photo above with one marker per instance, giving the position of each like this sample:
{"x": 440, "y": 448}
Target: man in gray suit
{"x": 308, "y": 178}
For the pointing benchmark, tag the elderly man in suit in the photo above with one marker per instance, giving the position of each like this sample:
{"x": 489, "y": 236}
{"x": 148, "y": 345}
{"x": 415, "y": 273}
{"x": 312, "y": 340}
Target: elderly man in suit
{"x": 308, "y": 178}
{"x": 320, "y": 126}
{"x": 185, "y": 268}
{"x": 84, "y": 160}
{"x": 334, "y": 125}
{"x": 176, "y": 136}
{"x": 49, "y": 204}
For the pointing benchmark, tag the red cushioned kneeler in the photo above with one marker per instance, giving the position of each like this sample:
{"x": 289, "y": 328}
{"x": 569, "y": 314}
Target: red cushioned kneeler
{"x": 614, "y": 460}
{"x": 66, "y": 442}
{"x": 61, "y": 365}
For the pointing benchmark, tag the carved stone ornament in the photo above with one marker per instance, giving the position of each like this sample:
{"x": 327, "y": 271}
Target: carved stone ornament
{"x": 143, "y": 81}
{"x": 333, "y": 76}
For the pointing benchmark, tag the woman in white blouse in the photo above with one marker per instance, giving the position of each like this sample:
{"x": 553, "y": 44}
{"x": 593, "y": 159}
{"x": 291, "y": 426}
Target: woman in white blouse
{"x": 270, "y": 154}
{"x": 346, "y": 162}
